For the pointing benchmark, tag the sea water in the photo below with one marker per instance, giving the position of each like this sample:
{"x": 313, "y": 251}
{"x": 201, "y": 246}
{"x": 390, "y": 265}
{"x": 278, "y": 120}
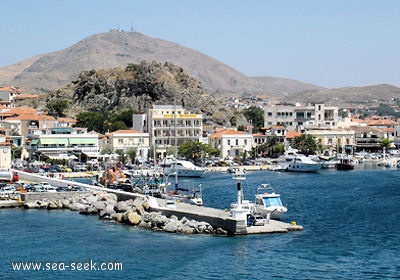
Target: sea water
{"x": 351, "y": 231}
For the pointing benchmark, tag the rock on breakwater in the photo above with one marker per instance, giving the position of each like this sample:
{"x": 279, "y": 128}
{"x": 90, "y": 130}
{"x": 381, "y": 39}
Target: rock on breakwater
{"x": 135, "y": 212}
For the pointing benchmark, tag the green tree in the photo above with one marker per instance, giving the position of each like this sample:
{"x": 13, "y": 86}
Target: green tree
{"x": 93, "y": 121}
{"x": 195, "y": 150}
{"x": 213, "y": 152}
{"x": 121, "y": 155}
{"x": 385, "y": 143}
{"x": 305, "y": 144}
{"x": 123, "y": 116}
{"x": 385, "y": 110}
{"x": 191, "y": 149}
{"x": 131, "y": 154}
{"x": 256, "y": 115}
{"x": 56, "y": 108}
{"x": 117, "y": 125}
{"x": 107, "y": 150}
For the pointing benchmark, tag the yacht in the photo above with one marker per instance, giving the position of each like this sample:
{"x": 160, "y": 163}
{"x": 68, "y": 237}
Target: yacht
{"x": 302, "y": 163}
{"x": 183, "y": 168}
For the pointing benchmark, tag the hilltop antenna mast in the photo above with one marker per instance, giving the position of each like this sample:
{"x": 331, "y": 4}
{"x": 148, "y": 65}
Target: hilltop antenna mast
{"x": 132, "y": 30}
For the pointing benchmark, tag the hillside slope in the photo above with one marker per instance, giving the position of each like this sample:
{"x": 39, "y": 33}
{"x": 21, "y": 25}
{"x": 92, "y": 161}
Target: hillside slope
{"x": 51, "y": 71}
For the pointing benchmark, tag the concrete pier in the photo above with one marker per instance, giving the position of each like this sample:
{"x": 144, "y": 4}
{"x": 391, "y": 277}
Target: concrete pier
{"x": 223, "y": 219}
{"x": 216, "y": 217}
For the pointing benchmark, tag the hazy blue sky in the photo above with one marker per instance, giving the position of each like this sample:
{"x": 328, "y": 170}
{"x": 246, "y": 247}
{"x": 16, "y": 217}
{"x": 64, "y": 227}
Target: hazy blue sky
{"x": 328, "y": 43}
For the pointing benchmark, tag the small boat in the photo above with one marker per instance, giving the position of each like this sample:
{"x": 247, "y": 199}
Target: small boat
{"x": 345, "y": 164}
{"x": 268, "y": 203}
{"x": 192, "y": 196}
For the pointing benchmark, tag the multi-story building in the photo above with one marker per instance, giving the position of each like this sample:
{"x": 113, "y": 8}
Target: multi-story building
{"x": 232, "y": 143}
{"x": 336, "y": 140}
{"x": 126, "y": 140}
{"x": 280, "y": 115}
{"x": 62, "y": 143}
{"x": 169, "y": 126}
{"x": 301, "y": 118}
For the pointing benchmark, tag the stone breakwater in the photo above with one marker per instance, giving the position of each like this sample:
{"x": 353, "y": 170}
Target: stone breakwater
{"x": 136, "y": 212}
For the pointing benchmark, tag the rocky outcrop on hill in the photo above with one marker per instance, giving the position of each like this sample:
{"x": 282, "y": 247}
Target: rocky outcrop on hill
{"x": 138, "y": 87}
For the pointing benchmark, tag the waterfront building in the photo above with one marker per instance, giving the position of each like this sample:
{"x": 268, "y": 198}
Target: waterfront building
{"x": 5, "y": 152}
{"x": 277, "y": 131}
{"x": 62, "y": 143}
{"x": 232, "y": 143}
{"x": 335, "y": 140}
{"x": 162, "y": 121}
{"x": 368, "y": 138}
{"x": 300, "y": 118}
{"x": 127, "y": 140}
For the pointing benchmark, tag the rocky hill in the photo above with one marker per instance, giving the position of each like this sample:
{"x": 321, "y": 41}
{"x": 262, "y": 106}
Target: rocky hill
{"x": 137, "y": 86}
{"x": 47, "y": 72}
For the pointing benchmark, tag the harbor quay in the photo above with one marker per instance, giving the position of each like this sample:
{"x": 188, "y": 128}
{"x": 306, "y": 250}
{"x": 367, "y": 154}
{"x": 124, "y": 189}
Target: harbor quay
{"x": 216, "y": 218}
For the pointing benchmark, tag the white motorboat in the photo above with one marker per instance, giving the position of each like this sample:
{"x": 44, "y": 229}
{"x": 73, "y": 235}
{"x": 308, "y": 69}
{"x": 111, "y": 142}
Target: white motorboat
{"x": 268, "y": 203}
{"x": 184, "y": 168}
{"x": 302, "y": 163}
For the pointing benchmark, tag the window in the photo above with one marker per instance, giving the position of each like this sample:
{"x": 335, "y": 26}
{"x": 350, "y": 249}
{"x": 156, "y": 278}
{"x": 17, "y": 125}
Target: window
{"x": 237, "y": 142}
{"x": 229, "y": 142}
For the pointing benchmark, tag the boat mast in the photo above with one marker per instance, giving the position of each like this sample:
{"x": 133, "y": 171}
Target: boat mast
{"x": 175, "y": 145}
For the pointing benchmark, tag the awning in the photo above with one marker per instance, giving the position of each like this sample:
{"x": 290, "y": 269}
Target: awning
{"x": 52, "y": 141}
{"x": 59, "y": 130}
{"x": 35, "y": 141}
{"x": 76, "y": 141}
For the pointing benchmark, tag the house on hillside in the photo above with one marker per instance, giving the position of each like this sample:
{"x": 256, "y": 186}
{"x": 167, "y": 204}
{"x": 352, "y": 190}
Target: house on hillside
{"x": 9, "y": 95}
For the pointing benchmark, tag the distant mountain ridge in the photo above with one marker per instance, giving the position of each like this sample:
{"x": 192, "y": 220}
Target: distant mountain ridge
{"x": 48, "y": 72}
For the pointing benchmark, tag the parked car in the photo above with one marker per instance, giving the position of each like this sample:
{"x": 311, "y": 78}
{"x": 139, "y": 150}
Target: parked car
{"x": 66, "y": 169}
{"x": 79, "y": 168}
{"x": 255, "y": 220}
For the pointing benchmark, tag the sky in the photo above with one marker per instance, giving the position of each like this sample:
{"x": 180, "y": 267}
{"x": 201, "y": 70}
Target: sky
{"x": 329, "y": 43}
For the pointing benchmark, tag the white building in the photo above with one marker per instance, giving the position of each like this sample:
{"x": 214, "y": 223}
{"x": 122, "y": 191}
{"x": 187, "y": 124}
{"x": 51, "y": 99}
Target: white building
{"x": 126, "y": 140}
{"x": 169, "y": 126}
{"x": 232, "y": 143}
{"x": 301, "y": 117}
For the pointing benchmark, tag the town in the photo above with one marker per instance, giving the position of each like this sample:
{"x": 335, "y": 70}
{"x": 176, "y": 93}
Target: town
{"x": 30, "y": 135}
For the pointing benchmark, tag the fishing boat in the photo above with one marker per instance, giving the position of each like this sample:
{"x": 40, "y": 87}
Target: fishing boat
{"x": 179, "y": 194}
{"x": 345, "y": 164}
{"x": 268, "y": 203}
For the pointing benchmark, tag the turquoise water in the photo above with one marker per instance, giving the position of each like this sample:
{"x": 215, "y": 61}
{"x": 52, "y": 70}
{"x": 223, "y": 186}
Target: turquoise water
{"x": 351, "y": 223}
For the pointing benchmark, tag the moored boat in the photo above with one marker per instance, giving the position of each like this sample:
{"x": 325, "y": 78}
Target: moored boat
{"x": 268, "y": 203}
{"x": 301, "y": 163}
{"x": 183, "y": 168}
{"x": 345, "y": 164}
